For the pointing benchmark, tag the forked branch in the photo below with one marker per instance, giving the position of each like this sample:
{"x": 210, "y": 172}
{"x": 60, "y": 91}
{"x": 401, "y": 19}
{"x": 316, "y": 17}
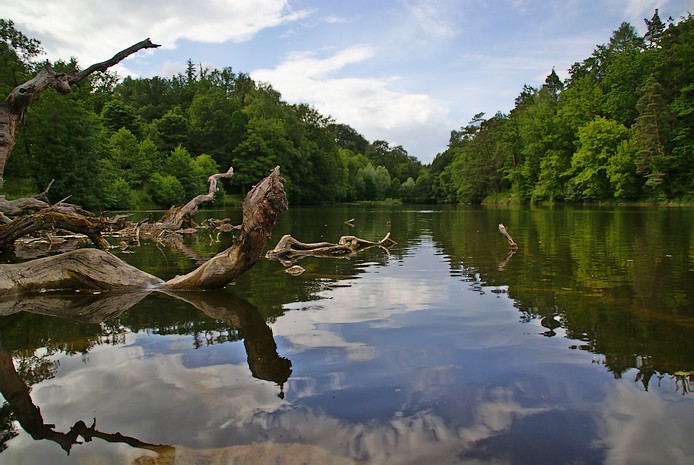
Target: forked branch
{"x": 288, "y": 250}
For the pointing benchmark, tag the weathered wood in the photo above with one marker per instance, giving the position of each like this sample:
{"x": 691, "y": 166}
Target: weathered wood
{"x": 94, "y": 269}
{"x": 13, "y": 208}
{"x": 182, "y": 217}
{"x": 505, "y": 233}
{"x": 83, "y": 269}
{"x": 74, "y": 219}
{"x": 51, "y": 219}
{"x": 262, "y": 206}
{"x": 13, "y": 109}
{"x": 288, "y": 250}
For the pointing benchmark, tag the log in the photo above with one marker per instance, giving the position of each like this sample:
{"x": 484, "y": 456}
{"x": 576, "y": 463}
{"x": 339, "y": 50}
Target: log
{"x": 288, "y": 250}
{"x": 261, "y": 207}
{"x": 52, "y": 219}
{"x": 80, "y": 269}
{"x": 74, "y": 219}
{"x": 94, "y": 269}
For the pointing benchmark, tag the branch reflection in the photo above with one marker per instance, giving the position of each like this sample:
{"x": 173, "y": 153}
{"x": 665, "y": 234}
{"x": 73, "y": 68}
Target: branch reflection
{"x": 262, "y": 357}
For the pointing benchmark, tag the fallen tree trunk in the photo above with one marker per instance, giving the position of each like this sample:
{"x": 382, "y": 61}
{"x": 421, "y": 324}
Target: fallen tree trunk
{"x": 261, "y": 207}
{"x": 74, "y": 219}
{"x": 288, "y": 250}
{"x": 93, "y": 269}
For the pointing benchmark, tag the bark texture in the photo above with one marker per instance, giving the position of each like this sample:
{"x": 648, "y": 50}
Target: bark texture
{"x": 263, "y": 204}
{"x": 93, "y": 269}
{"x": 52, "y": 219}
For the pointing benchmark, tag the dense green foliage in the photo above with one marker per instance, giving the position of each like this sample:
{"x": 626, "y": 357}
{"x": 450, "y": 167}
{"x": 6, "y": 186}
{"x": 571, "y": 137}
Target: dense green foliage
{"x": 154, "y": 142}
{"x": 621, "y": 127}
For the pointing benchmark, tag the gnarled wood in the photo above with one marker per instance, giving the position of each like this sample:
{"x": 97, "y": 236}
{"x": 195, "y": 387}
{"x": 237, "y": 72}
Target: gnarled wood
{"x": 182, "y": 217}
{"x": 13, "y": 109}
{"x": 84, "y": 269}
{"x": 95, "y": 269}
{"x": 74, "y": 219}
{"x": 52, "y": 219}
{"x": 262, "y": 206}
{"x": 288, "y": 250}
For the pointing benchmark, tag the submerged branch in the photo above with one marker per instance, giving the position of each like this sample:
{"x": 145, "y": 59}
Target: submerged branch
{"x": 288, "y": 250}
{"x": 504, "y": 232}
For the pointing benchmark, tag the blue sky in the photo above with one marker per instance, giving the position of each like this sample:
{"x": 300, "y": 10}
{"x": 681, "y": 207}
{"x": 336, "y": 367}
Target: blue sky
{"x": 404, "y": 71}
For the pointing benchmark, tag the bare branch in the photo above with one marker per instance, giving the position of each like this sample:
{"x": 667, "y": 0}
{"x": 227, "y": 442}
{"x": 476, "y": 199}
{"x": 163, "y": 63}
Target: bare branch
{"x": 14, "y": 107}
{"x": 93, "y": 269}
{"x": 505, "y": 233}
{"x": 114, "y": 60}
{"x": 178, "y": 217}
{"x": 288, "y": 250}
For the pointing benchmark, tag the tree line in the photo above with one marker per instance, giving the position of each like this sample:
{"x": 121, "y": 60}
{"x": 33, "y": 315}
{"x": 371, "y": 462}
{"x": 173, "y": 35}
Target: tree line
{"x": 620, "y": 127}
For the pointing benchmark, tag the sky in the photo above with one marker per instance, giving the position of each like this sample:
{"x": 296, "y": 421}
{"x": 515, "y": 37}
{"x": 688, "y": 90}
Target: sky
{"x": 404, "y": 71}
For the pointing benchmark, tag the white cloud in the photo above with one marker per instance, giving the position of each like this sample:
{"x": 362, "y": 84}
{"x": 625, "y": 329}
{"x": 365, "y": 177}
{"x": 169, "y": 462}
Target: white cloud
{"x": 374, "y": 106}
{"x": 432, "y": 18}
{"x": 94, "y": 30}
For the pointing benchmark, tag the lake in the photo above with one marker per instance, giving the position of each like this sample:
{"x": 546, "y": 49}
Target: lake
{"x": 446, "y": 349}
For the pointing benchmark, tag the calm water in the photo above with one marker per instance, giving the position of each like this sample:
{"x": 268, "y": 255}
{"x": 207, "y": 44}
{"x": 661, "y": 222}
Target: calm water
{"x": 577, "y": 349}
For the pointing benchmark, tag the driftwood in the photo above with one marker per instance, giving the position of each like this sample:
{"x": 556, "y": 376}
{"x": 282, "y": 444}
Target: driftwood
{"x": 182, "y": 217}
{"x": 288, "y": 250}
{"x": 52, "y": 219}
{"x": 504, "y": 232}
{"x": 262, "y": 206}
{"x": 13, "y": 109}
{"x": 13, "y": 208}
{"x": 94, "y": 269}
{"x": 73, "y": 219}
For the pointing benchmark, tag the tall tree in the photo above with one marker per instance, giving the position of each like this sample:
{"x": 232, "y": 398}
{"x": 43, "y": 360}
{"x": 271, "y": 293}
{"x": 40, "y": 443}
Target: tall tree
{"x": 655, "y": 28}
{"x": 599, "y": 141}
{"x": 652, "y": 134}
{"x": 66, "y": 140}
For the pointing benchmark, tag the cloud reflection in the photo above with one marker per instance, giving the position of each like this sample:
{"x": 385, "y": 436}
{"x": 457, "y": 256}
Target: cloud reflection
{"x": 639, "y": 428}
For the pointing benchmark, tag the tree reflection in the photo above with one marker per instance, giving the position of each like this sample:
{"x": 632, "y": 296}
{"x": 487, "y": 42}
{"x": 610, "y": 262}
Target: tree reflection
{"x": 20, "y": 368}
{"x": 616, "y": 280}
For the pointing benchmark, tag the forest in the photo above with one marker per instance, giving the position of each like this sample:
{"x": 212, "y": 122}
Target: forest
{"x": 619, "y": 128}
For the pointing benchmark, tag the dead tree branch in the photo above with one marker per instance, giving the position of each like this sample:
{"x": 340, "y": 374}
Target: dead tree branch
{"x": 52, "y": 219}
{"x": 95, "y": 269}
{"x": 13, "y": 109}
{"x": 505, "y": 233}
{"x": 182, "y": 217}
{"x": 260, "y": 210}
{"x": 288, "y": 250}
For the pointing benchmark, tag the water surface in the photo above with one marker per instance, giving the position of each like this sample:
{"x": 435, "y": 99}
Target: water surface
{"x": 447, "y": 349}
